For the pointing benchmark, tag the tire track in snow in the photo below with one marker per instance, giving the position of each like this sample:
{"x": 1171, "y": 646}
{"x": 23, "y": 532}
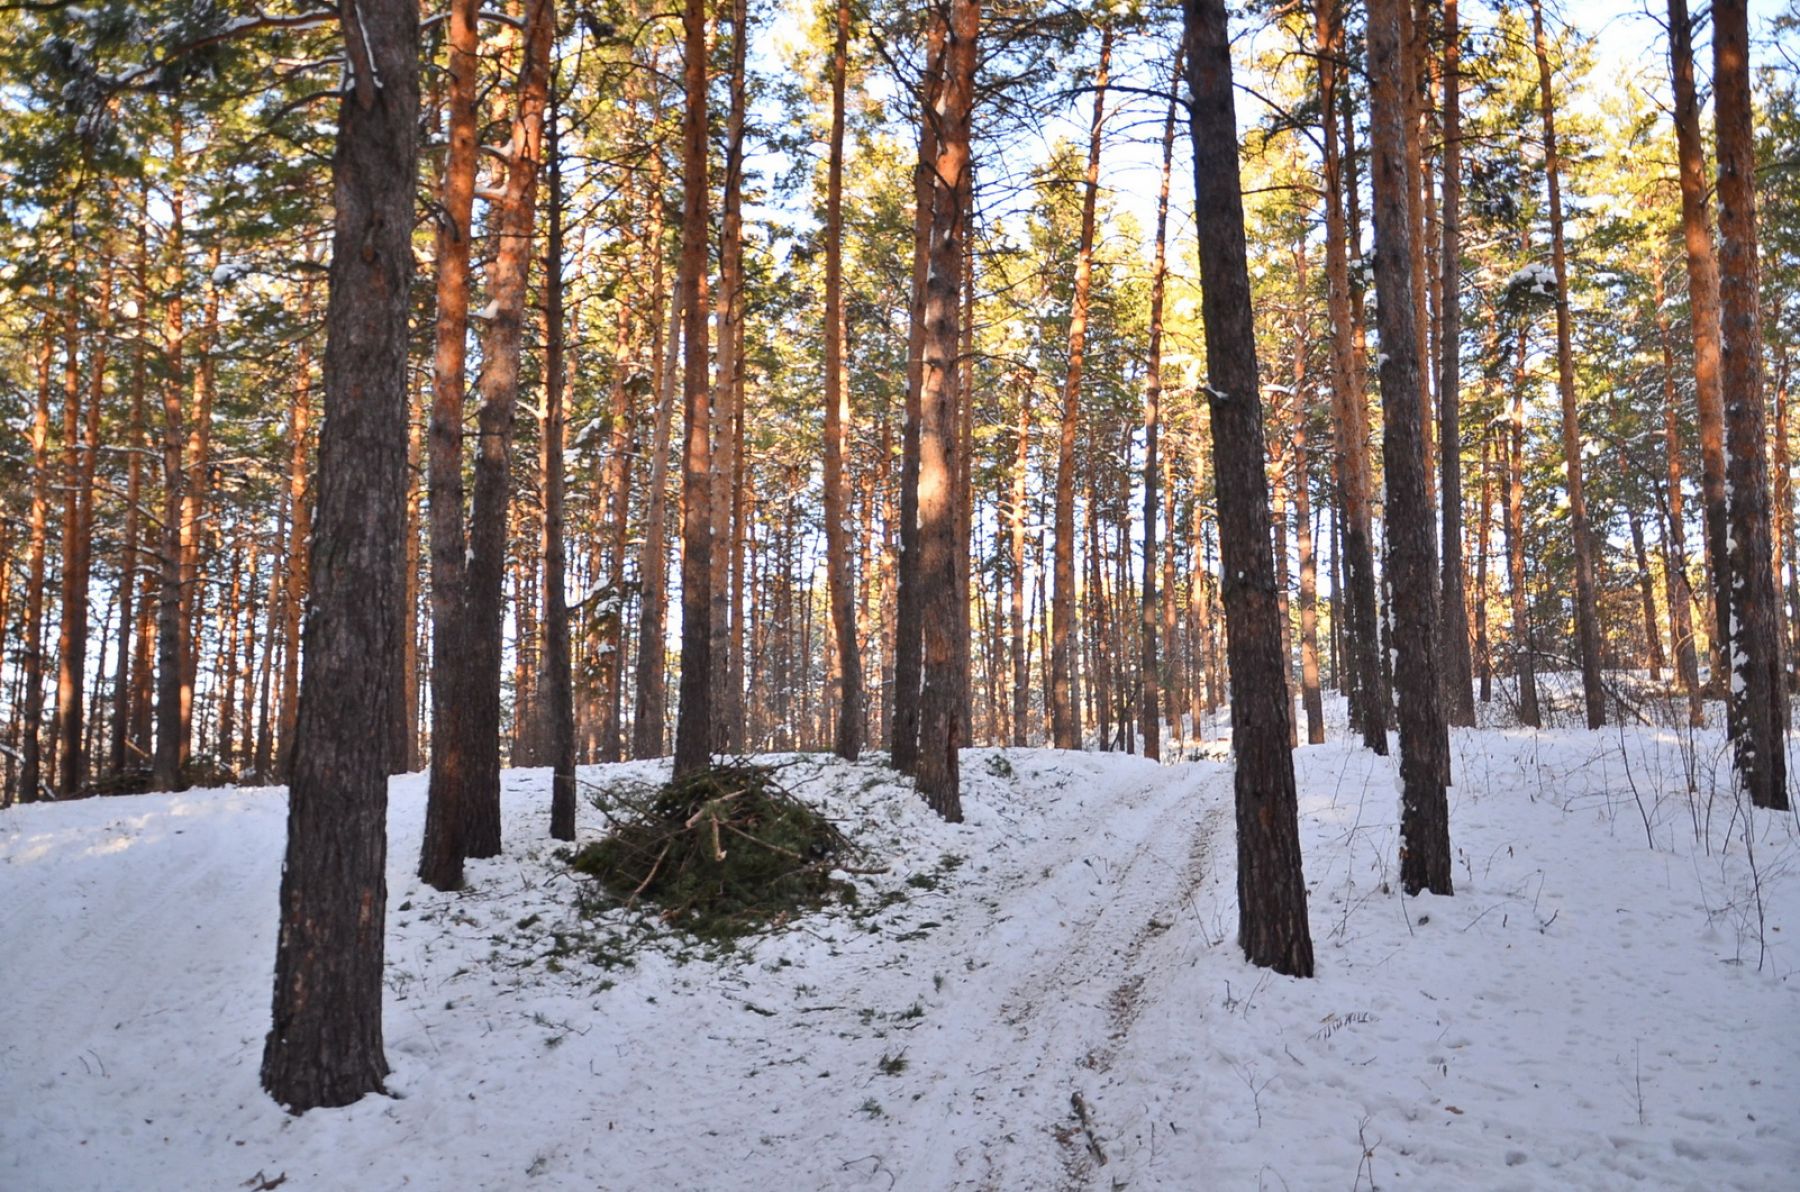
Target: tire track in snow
{"x": 1009, "y": 1121}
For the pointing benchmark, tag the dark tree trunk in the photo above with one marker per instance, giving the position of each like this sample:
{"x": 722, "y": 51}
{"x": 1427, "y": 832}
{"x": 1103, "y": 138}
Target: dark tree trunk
{"x": 1646, "y": 592}
{"x": 131, "y": 557}
{"x": 693, "y": 721}
{"x": 1272, "y": 927}
{"x": 497, "y": 391}
{"x": 1523, "y": 646}
{"x": 557, "y": 691}
{"x": 1675, "y": 556}
{"x": 727, "y": 696}
{"x": 1758, "y": 691}
{"x": 325, "y": 1046}
{"x": 1425, "y": 857}
{"x": 171, "y": 633}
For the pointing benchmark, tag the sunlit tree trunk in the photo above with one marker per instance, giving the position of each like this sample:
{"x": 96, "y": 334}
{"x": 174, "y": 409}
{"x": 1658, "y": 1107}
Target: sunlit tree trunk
{"x": 1454, "y": 612}
{"x": 1350, "y": 415}
{"x": 840, "y": 582}
{"x": 908, "y": 624}
{"x": 1703, "y": 301}
{"x": 942, "y": 687}
{"x": 1758, "y": 691}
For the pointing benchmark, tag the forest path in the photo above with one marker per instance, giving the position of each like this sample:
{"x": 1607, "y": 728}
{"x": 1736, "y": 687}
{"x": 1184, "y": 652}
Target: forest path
{"x": 1081, "y": 925}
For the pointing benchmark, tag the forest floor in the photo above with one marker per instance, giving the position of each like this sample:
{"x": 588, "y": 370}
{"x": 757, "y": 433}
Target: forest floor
{"x": 1047, "y": 996}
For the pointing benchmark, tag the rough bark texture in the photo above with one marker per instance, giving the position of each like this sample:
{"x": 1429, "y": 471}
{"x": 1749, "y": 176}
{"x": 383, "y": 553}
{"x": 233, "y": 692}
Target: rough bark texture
{"x": 693, "y": 721}
{"x": 1758, "y": 693}
{"x": 1454, "y": 614}
{"x": 441, "y": 856}
{"x": 908, "y": 624}
{"x": 514, "y": 219}
{"x": 1703, "y": 301}
{"x": 1065, "y": 708}
{"x": 1587, "y": 616}
{"x": 1349, "y": 416}
{"x": 557, "y": 690}
{"x": 941, "y": 687}
{"x": 1272, "y": 926}
{"x": 727, "y": 696}
{"x": 1425, "y": 857}
{"x": 325, "y": 1045}
{"x": 840, "y": 578}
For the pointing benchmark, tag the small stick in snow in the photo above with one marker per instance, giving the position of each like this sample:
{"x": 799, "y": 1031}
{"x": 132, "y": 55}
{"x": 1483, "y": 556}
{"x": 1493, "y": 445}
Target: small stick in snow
{"x": 1087, "y": 1127}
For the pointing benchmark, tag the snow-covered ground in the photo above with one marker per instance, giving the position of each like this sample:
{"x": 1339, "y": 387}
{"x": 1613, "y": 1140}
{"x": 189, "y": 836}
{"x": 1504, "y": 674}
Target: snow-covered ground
{"x": 1047, "y": 996}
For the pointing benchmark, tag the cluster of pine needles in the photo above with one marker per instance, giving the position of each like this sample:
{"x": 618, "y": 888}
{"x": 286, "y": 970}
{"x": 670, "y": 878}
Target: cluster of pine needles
{"x": 723, "y": 852}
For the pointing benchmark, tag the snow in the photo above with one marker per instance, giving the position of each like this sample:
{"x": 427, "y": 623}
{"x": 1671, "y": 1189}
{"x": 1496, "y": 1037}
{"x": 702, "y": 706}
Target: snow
{"x": 1535, "y": 279}
{"x": 1596, "y": 1007}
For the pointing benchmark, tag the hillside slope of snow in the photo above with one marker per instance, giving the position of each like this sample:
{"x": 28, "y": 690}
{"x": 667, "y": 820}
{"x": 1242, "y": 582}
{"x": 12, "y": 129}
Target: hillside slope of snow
{"x": 1047, "y": 996}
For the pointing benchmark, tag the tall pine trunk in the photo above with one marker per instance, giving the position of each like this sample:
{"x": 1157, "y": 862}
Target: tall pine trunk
{"x": 1425, "y": 857}
{"x": 908, "y": 618}
{"x": 1703, "y": 301}
{"x": 325, "y": 1045}
{"x": 557, "y": 691}
{"x": 727, "y": 698}
{"x": 1272, "y": 927}
{"x": 693, "y": 722}
{"x": 1149, "y": 663}
{"x": 1065, "y": 708}
{"x": 1350, "y": 414}
{"x": 1587, "y": 616}
{"x": 941, "y": 687}
{"x": 1758, "y": 691}
{"x": 847, "y": 739}
{"x": 1454, "y": 613}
